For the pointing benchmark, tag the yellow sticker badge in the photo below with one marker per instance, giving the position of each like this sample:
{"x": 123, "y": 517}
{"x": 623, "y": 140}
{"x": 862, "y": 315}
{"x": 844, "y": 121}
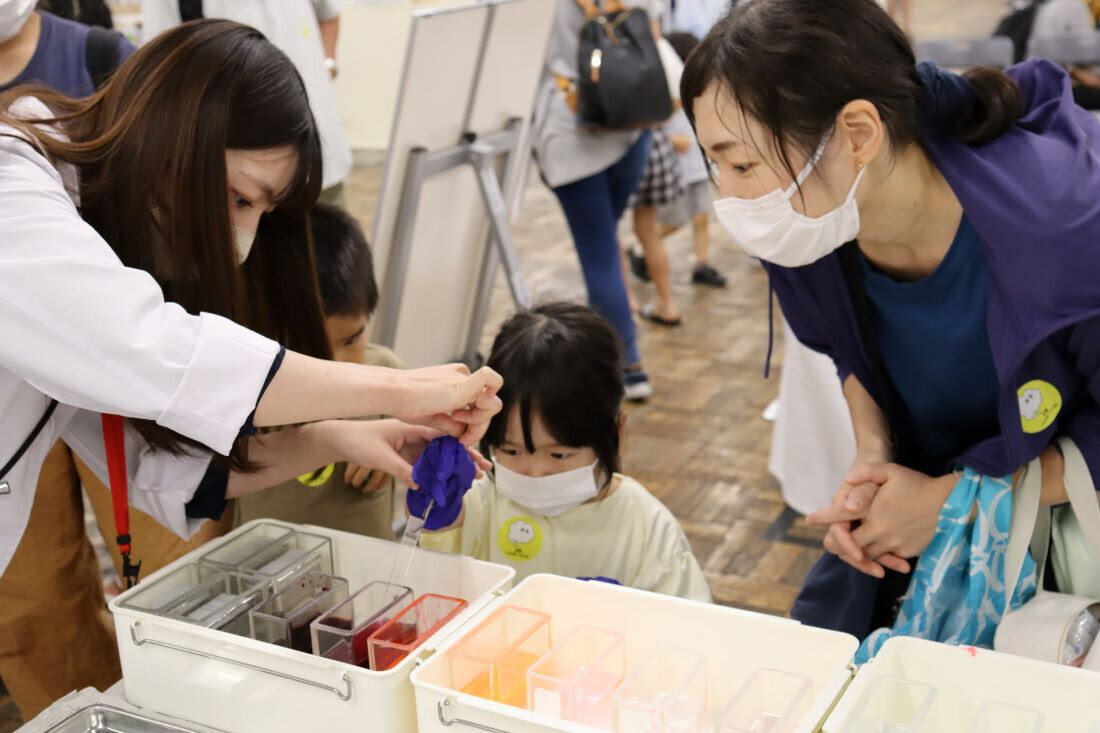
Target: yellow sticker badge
{"x": 1040, "y": 404}
{"x": 318, "y": 477}
{"x": 520, "y": 539}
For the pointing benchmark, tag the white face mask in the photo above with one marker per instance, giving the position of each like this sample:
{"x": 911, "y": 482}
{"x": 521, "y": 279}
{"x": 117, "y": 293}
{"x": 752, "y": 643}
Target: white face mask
{"x": 242, "y": 240}
{"x": 13, "y": 16}
{"x": 768, "y": 227}
{"x": 549, "y": 496}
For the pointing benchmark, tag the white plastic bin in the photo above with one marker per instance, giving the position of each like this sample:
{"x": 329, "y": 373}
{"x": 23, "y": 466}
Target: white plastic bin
{"x": 246, "y": 686}
{"x": 737, "y": 644}
{"x": 974, "y": 685}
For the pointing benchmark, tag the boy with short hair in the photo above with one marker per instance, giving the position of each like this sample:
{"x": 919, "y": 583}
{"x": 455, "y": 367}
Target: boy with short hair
{"x": 333, "y": 496}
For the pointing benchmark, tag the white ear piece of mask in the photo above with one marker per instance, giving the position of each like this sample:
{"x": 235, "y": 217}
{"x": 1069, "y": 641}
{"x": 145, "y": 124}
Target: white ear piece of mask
{"x": 769, "y": 228}
{"x": 13, "y": 16}
{"x": 549, "y": 496}
{"x": 242, "y": 240}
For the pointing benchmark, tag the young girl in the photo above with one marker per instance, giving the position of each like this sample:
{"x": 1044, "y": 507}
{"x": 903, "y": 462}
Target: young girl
{"x": 556, "y": 502}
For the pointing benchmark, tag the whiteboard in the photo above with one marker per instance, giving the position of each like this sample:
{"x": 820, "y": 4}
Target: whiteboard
{"x": 445, "y": 88}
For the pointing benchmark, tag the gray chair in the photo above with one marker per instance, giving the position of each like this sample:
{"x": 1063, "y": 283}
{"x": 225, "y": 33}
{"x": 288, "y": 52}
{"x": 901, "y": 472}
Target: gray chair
{"x": 1068, "y": 49}
{"x": 962, "y": 53}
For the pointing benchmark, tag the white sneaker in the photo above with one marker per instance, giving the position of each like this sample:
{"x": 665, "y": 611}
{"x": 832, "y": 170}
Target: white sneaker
{"x": 637, "y": 386}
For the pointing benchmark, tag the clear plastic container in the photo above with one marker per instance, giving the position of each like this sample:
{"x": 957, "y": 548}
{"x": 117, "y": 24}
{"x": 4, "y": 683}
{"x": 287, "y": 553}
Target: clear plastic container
{"x": 772, "y": 701}
{"x": 273, "y": 554}
{"x": 410, "y": 628}
{"x": 999, "y": 717}
{"x": 342, "y": 633}
{"x": 577, "y": 679}
{"x": 665, "y": 693}
{"x": 492, "y": 662}
{"x": 894, "y": 705}
{"x": 284, "y": 618}
{"x": 201, "y": 595}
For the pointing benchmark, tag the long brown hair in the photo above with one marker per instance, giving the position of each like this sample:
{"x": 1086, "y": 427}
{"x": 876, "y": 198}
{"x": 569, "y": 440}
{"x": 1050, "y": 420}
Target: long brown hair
{"x": 150, "y": 149}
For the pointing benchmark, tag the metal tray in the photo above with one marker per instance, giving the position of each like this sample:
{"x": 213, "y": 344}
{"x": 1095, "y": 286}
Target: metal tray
{"x": 107, "y": 719}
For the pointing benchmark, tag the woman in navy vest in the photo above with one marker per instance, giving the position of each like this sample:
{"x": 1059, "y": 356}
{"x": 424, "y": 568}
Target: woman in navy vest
{"x": 935, "y": 235}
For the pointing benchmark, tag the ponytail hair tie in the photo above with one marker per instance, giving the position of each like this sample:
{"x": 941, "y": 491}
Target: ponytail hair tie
{"x": 944, "y": 96}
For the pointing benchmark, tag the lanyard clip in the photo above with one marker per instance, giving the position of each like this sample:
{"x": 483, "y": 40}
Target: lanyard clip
{"x": 130, "y": 571}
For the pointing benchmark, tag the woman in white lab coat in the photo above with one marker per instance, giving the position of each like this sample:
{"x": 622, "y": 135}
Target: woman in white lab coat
{"x": 154, "y": 187}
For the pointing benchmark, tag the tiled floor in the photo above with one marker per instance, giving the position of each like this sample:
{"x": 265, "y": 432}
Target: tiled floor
{"x": 699, "y": 443}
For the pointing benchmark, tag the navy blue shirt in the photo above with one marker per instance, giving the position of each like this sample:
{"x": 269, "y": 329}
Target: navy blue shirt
{"x": 934, "y": 343}
{"x": 60, "y": 60}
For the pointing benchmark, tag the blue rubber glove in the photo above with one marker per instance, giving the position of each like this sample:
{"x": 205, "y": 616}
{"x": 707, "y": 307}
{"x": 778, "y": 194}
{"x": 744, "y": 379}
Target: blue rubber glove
{"x": 601, "y": 579}
{"x": 444, "y": 472}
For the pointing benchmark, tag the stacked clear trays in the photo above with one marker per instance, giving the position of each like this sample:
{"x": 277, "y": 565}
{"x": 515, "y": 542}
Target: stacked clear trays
{"x": 577, "y": 679}
{"x": 344, "y": 632}
{"x": 666, "y": 693}
{"x": 999, "y": 717}
{"x": 273, "y": 554}
{"x": 772, "y": 701}
{"x": 492, "y": 662}
{"x": 410, "y": 628}
{"x": 894, "y": 705}
{"x": 285, "y": 618}
{"x": 202, "y": 595}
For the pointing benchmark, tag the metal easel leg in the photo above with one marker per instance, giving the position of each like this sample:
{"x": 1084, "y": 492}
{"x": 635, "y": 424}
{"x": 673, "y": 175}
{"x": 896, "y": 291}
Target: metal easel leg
{"x": 397, "y": 266}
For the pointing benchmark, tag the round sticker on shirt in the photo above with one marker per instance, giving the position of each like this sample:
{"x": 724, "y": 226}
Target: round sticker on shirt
{"x": 318, "y": 477}
{"x": 1040, "y": 404}
{"x": 520, "y": 539}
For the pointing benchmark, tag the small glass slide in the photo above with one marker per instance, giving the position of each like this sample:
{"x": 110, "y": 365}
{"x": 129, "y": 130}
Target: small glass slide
{"x": 577, "y": 679}
{"x": 999, "y": 717}
{"x": 665, "y": 693}
{"x": 894, "y": 705}
{"x": 203, "y": 596}
{"x": 772, "y": 701}
{"x": 492, "y": 662}
{"x": 410, "y": 628}
{"x": 342, "y": 633}
{"x": 273, "y": 554}
{"x": 284, "y": 618}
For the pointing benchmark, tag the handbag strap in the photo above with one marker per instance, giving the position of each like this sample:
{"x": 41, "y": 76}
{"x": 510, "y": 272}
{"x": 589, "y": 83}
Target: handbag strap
{"x": 1031, "y": 523}
{"x": 1082, "y": 492}
{"x": 1026, "y": 527}
{"x": 114, "y": 445}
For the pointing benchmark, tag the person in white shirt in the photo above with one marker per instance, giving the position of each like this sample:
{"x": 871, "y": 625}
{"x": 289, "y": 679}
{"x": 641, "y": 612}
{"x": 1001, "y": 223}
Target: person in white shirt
{"x": 201, "y": 144}
{"x": 556, "y": 502}
{"x": 307, "y": 32}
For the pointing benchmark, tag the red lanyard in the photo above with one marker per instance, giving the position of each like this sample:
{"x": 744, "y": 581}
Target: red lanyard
{"x": 114, "y": 444}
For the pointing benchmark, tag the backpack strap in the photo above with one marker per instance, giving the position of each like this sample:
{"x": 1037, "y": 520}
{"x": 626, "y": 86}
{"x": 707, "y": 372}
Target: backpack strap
{"x": 101, "y": 54}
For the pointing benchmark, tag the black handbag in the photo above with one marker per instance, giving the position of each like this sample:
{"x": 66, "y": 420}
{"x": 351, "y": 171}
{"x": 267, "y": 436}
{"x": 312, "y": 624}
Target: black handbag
{"x": 621, "y": 82}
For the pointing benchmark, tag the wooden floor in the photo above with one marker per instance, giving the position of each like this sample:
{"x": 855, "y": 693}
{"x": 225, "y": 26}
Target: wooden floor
{"x": 700, "y": 443}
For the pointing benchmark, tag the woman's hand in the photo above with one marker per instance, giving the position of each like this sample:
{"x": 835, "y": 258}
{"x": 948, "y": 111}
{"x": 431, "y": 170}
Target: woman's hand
{"x": 850, "y": 505}
{"x": 450, "y": 399}
{"x": 902, "y": 519}
{"x": 386, "y": 446}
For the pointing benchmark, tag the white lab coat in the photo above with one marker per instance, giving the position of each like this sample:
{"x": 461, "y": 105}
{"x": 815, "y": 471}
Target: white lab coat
{"x": 78, "y": 326}
{"x": 292, "y": 26}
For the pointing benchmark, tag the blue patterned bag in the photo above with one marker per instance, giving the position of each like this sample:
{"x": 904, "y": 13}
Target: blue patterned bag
{"x": 957, "y": 594}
